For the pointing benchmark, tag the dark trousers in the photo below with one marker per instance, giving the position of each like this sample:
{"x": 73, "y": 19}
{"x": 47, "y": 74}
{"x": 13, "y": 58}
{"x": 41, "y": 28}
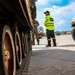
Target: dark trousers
{"x": 50, "y": 34}
{"x": 35, "y": 32}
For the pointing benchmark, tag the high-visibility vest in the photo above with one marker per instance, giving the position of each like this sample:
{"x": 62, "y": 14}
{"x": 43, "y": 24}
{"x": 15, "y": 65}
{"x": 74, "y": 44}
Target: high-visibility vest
{"x": 49, "y": 23}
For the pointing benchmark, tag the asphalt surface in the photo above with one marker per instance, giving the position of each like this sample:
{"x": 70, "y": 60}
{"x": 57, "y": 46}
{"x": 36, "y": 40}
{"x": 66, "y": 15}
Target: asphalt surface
{"x": 58, "y": 60}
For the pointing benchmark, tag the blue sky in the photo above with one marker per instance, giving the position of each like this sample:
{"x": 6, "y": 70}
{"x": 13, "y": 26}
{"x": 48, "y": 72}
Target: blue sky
{"x": 63, "y": 12}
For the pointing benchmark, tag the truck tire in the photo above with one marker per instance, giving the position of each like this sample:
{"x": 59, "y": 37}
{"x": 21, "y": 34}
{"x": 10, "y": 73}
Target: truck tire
{"x": 18, "y": 50}
{"x": 73, "y": 33}
{"x": 7, "y": 52}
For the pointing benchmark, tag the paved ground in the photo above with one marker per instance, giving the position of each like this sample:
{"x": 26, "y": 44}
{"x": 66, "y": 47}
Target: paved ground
{"x": 58, "y": 60}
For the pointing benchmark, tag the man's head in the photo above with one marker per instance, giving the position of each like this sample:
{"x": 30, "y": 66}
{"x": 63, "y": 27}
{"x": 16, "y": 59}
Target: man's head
{"x": 47, "y": 13}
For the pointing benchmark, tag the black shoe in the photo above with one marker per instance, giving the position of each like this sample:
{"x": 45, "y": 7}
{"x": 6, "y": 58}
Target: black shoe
{"x": 54, "y": 45}
{"x": 33, "y": 43}
{"x": 48, "y": 45}
{"x": 38, "y": 43}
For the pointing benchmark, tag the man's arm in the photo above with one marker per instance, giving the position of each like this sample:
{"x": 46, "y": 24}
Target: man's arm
{"x": 36, "y": 23}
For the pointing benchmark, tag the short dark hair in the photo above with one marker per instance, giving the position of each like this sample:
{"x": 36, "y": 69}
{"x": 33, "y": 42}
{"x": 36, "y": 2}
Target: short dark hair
{"x": 46, "y": 12}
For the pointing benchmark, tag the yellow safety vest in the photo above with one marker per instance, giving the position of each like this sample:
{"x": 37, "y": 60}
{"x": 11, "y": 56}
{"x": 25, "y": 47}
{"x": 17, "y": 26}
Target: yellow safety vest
{"x": 49, "y": 23}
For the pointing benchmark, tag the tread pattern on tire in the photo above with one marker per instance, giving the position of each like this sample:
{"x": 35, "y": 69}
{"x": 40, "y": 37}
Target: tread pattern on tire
{"x": 25, "y": 65}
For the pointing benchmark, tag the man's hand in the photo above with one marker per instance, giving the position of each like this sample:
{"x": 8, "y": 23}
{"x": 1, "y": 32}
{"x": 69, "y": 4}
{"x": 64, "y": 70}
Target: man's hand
{"x": 45, "y": 24}
{"x": 36, "y": 25}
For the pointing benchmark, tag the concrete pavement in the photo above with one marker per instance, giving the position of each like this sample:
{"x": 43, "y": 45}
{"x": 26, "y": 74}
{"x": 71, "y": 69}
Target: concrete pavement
{"x": 58, "y": 60}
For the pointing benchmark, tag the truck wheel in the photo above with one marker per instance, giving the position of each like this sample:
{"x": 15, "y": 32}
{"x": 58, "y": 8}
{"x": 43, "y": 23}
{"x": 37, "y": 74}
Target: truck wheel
{"x": 73, "y": 33}
{"x": 18, "y": 49}
{"x": 7, "y": 52}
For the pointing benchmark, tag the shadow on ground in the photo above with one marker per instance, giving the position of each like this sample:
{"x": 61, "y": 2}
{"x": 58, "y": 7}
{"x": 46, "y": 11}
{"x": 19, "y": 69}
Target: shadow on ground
{"x": 70, "y": 45}
{"x": 52, "y": 62}
{"x": 55, "y": 53}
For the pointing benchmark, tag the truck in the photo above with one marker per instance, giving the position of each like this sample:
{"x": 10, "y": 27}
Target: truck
{"x": 40, "y": 32}
{"x": 73, "y": 30}
{"x": 16, "y": 25}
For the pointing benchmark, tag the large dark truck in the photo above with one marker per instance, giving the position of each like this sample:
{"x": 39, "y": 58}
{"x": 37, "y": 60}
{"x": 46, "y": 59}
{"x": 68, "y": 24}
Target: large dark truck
{"x": 73, "y": 30}
{"x": 16, "y": 24}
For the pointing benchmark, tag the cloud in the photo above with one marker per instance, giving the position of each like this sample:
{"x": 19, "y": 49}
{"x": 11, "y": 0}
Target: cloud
{"x": 73, "y": 18}
{"x": 56, "y": 1}
{"x": 62, "y": 15}
{"x": 61, "y": 22}
{"x": 66, "y": 10}
{"x": 42, "y": 2}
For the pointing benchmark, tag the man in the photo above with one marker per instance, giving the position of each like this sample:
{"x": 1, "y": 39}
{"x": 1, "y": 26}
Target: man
{"x": 35, "y": 32}
{"x": 49, "y": 24}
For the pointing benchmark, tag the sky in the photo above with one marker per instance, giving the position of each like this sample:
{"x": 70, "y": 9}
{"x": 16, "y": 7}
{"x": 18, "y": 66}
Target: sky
{"x": 63, "y": 12}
